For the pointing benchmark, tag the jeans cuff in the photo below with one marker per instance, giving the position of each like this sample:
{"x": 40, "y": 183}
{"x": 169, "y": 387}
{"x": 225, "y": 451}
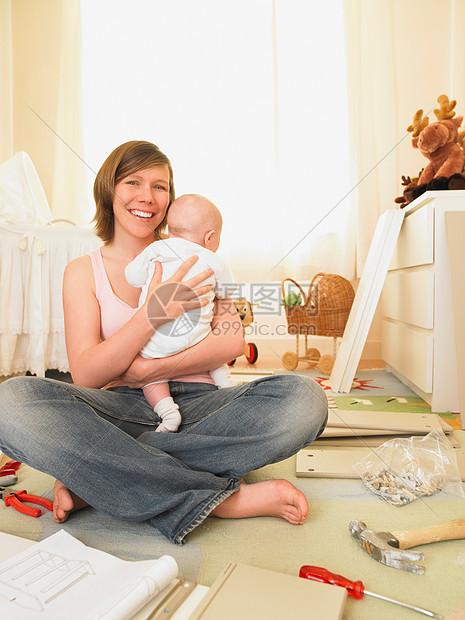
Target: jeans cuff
{"x": 233, "y": 486}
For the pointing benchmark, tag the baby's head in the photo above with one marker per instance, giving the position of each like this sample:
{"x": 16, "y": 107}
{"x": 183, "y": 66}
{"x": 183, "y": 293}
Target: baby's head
{"x": 196, "y": 219}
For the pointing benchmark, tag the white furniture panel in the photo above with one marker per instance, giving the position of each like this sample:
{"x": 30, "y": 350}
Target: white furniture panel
{"x": 411, "y": 352}
{"x": 366, "y": 299}
{"x": 415, "y": 243}
{"x": 409, "y": 297}
{"x": 418, "y": 328}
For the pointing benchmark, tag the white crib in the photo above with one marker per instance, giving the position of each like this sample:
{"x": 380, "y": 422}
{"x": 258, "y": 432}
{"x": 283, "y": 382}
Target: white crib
{"x": 34, "y": 251}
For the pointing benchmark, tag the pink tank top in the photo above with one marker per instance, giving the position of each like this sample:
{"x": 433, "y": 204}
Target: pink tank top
{"x": 114, "y": 312}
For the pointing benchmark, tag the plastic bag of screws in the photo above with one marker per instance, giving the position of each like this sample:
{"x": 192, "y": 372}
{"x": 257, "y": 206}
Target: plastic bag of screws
{"x": 404, "y": 469}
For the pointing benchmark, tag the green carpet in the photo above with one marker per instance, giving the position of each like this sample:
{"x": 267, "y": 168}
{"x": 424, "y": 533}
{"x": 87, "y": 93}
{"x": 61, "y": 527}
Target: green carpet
{"x": 402, "y": 404}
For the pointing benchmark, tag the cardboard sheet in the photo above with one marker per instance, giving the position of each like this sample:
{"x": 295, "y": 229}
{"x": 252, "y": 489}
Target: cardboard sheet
{"x": 248, "y": 593}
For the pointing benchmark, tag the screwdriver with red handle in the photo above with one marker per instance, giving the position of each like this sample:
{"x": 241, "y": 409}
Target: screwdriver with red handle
{"x": 355, "y": 588}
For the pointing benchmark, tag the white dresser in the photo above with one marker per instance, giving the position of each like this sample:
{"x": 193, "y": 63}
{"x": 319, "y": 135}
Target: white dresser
{"x": 418, "y": 342}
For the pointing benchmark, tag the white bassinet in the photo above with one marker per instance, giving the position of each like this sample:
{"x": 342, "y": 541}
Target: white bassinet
{"x": 34, "y": 251}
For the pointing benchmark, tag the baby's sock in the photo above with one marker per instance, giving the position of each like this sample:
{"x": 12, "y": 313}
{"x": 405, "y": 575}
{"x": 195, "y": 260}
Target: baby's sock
{"x": 221, "y": 376}
{"x": 168, "y": 411}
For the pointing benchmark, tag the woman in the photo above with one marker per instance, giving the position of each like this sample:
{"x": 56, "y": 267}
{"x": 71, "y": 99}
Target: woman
{"x": 101, "y": 444}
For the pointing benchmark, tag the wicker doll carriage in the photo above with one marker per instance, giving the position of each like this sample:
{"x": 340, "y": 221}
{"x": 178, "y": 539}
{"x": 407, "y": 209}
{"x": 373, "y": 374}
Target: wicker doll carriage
{"x": 323, "y": 312}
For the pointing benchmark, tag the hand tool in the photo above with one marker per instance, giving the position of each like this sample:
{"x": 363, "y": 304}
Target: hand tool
{"x": 8, "y": 473}
{"x": 15, "y": 501}
{"x": 355, "y": 588}
{"x": 10, "y": 467}
{"x": 384, "y": 546}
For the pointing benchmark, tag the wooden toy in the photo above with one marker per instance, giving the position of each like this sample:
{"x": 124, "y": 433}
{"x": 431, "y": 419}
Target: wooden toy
{"x": 245, "y": 312}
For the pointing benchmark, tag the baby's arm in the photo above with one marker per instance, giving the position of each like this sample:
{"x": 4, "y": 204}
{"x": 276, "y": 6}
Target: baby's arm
{"x": 137, "y": 272}
{"x": 224, "y": 343}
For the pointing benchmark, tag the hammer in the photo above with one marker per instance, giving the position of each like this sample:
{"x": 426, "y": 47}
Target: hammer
{"x": 384, "y": 546}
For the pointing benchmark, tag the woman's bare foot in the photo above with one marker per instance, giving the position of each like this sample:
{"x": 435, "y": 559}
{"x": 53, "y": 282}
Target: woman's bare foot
{"x": 65, "y": 502}
{"x": 270, "y": 498}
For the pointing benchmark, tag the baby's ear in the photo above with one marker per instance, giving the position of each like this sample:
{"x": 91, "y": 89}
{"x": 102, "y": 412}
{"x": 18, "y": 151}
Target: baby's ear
{"x": 208, "y": 238}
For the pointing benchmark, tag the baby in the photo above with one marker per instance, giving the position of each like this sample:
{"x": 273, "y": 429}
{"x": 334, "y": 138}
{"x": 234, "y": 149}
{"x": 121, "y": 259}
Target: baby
{"x": 194, "y": 227}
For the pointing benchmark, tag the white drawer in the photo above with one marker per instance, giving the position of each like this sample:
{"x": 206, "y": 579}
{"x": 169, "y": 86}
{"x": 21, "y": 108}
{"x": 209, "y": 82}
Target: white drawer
{"x": 415, "y": 245}
{"x": 410, "y": 352}
{"x": 409, "y": 297}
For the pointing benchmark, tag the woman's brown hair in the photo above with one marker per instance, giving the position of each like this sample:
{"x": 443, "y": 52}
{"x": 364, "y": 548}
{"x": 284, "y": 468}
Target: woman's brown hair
{"x": 126, "y": 159}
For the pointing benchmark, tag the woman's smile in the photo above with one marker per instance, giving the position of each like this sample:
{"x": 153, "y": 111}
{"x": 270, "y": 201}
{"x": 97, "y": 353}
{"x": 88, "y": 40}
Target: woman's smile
{"x": 144, "y": 215}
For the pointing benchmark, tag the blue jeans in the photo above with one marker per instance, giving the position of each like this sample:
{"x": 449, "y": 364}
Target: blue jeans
{"x": 102, "y": 444}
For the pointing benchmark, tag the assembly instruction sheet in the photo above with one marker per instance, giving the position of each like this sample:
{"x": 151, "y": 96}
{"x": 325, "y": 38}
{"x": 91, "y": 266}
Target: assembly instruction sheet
{"x": 61, "y": 577}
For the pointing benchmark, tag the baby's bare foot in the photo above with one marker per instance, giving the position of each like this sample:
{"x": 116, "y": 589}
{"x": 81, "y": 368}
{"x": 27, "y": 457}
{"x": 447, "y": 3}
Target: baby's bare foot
{"x": 65, "y": 502}
{"x": 270, "y": 498}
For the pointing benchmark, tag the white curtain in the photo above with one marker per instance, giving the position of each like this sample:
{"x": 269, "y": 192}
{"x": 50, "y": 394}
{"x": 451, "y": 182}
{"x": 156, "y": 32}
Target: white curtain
{"x": 401, "y": 56}
{"x": 313, "y": 140}
{"x": 6, "y": 81}
{"x": 248, "y": 99}
{"x": 40, "y": 103}
{"x": 69, "y": 174}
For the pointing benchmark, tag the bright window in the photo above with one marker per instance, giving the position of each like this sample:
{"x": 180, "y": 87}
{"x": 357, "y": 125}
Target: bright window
{"x": 248, "y": 100}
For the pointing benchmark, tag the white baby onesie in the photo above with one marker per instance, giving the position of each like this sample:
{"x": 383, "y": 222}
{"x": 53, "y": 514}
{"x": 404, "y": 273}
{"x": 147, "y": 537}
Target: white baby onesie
{"x": 193, "y": 326}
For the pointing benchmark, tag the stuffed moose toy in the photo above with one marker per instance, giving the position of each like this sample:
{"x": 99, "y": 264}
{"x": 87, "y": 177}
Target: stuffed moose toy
{"x": 439, "y": 143}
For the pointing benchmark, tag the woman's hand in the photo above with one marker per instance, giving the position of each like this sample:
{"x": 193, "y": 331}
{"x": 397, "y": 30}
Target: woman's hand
{"x": 135, "y": 376}
{"x": 224, "y": 343}
{"x": 167, "y": 300}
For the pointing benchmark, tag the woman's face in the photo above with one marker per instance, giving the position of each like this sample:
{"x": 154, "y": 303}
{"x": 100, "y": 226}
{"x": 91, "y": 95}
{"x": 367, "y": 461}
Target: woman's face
{"x": 141, "y": 200}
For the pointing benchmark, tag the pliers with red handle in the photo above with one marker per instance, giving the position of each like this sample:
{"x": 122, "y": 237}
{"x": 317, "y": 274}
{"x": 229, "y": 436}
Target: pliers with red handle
{"x": 15, "y": 501}
{"x": 9, "y": 468}
{"x": 8, "y": 473}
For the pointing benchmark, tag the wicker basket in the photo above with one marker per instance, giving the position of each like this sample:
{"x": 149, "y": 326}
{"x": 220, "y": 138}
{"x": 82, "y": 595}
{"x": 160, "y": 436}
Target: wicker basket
{"x": 325, "y": 308}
